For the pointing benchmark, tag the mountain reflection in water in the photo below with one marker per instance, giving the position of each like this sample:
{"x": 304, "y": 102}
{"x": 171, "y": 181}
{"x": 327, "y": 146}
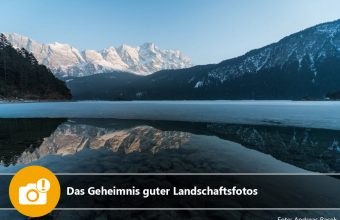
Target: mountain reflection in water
{"x": 70, "y": 138}
{"x": 311, "y": 149}
{"x": 123, "y": 146}
{"x": 18, "y": 135}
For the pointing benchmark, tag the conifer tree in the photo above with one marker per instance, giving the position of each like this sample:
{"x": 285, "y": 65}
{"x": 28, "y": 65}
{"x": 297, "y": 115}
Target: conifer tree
{"x": 21, "y": 76}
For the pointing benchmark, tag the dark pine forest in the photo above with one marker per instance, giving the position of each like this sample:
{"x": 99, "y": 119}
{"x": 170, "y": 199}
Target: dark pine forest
{"x": 21, "y": 77}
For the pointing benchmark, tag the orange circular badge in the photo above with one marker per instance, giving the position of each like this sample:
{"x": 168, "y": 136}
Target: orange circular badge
{"x": 34, "y": 191}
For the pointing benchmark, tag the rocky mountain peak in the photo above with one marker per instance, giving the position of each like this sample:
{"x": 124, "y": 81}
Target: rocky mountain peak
{"x": 67, "y": 61}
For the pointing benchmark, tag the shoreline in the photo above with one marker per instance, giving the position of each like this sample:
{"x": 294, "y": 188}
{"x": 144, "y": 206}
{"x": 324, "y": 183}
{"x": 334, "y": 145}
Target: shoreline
{"x": 14, "y": 101}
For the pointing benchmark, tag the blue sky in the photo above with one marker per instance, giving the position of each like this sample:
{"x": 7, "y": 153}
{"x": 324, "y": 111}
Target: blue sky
{"x": 209, "y": 31}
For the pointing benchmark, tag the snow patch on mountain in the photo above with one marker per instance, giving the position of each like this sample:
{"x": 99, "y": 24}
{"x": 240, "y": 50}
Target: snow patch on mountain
{"x": 306, "y": 48}
{"x": 199, "y": 84}
{"x": 67, "y": 61}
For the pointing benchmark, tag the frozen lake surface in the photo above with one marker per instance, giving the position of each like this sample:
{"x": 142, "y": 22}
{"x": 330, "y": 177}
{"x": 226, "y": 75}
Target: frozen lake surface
{"x": 314, "y": 114}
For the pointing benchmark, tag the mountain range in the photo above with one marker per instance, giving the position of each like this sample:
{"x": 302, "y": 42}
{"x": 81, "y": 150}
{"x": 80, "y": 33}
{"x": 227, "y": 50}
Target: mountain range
{"x": 304, "y": 65}
{"x": 66, "y": 61}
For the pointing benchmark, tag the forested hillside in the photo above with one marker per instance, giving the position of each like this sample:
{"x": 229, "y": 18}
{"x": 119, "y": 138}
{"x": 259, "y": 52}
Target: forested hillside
{"x": 21, "y": 77}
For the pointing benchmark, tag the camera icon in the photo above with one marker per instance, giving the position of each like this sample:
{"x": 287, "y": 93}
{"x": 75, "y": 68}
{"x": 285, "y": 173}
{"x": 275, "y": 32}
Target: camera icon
{"x": 34, "y": 193}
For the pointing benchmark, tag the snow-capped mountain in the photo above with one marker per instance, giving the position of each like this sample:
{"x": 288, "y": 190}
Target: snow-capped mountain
{"x": 67, "y": 61}
{"x": 306, "y": 47}
{"x": 304, "y": 65}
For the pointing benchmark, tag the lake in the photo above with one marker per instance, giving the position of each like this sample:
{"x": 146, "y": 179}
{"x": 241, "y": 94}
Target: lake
{"x": 179, "y": 137}
{"x": 315, "y": 114}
